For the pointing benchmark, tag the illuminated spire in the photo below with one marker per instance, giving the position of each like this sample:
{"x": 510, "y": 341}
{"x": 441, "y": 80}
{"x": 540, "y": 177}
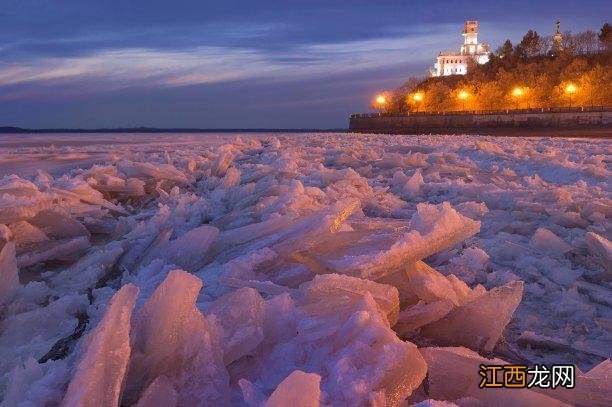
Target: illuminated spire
{"x": 557, "y": 39}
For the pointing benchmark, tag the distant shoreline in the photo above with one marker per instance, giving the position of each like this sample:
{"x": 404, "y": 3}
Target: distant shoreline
{"x": 20, "y": 130}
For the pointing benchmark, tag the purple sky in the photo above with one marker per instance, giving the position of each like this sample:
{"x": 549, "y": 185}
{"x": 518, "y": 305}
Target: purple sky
{"x": 114, "y": 63}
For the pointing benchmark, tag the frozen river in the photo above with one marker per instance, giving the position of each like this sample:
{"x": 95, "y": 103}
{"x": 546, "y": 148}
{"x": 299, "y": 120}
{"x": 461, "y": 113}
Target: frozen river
{"x": 237, "y": 268}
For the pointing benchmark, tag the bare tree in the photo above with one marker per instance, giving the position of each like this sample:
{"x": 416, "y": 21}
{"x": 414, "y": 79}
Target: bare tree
{"x": 569, "y": 42}
{"x": 396, "y": 100}
{"x": 586, "y": 42}
{"x": 544, "y": 44}
{"x": 411, "y": 84}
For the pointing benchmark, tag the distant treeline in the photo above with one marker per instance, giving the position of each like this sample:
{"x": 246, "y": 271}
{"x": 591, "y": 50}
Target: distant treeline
{"x": 579, "y": 74}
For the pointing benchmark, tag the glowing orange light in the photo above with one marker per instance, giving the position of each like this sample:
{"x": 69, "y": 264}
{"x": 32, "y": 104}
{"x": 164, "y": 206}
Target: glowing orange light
{"x": 381, "y": 100}
{"x": 463, "y": 95}
{"x": 517, "y": 92}
{"x": 570, "y": 88}
{"x": 417, "y": 97}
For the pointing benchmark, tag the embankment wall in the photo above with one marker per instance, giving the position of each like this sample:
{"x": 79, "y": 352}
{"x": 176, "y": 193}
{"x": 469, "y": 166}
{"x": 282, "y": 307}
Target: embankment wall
{"x": 509, "y": 122}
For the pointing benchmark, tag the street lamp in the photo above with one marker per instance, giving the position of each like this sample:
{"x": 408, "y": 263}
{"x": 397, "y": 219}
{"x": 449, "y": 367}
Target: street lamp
{"x": 380, "y": 103}
{"x": 570, "y": 90}
{"x": 417, "y": 97}
{"x": 517, "y": 93}
{"x": 463, "y": 95}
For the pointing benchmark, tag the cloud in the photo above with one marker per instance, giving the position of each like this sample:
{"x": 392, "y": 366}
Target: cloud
{"x": 86, "y": 48}
{"x": 114, "y": 69}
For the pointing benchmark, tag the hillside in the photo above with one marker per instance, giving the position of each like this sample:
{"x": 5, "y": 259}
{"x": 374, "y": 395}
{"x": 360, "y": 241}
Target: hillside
{"x": 518, "y": 76}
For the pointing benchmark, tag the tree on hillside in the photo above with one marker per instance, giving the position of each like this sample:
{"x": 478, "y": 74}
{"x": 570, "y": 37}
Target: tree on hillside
{"x": 395, "y": 103}
{"x": 469, "y": 103}
{"x": 397, "y": 99}
{"x": 568, "y": 43}
{"x": 471, "y": 64}
{"x": 586, "y": 42}
{"x": 541, "y": 94}
{"x": 489, "y": 96}
{"x": 506, "y": 51}
{"x": 595, "y": 86}
{"x": 589, "y": 86}
{"x": 544, "y": 44}
{"x": 605, "y": 37}
{"x": 572, "y": 71}
{"x": 529, "y": 45}
{"x": 411, "y": 84}
{"x": 438, "y": 98}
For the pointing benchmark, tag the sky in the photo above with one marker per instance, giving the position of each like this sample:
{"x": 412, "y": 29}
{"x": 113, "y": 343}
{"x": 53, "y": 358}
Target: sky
{"x": 237, "y": 64}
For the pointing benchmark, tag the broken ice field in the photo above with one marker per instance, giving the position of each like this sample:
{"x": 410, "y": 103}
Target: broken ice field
{"x": 302, "y": 269}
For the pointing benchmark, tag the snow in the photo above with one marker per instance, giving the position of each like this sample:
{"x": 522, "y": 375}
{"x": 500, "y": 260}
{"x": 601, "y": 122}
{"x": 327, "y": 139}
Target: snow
{"x": 307, "y": 269}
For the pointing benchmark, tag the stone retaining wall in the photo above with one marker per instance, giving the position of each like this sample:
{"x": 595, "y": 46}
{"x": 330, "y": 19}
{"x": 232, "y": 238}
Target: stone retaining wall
{"x": 486, "y": 123}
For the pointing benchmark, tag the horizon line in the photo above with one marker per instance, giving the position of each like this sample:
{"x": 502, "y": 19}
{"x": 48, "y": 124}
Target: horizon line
{"x": 144, "y": 129}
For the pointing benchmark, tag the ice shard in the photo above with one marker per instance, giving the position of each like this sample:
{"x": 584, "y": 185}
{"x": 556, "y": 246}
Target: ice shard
{"x": 478, "y": 324}
{"x": 172, "y": 338}
{"x": 547, "y": 241}
{"x": 416, "y": 316}
{"x": 100, "y": 374}
{"x": 21, "y": 199}
{"x": 25, "y": 233}
{"x": 240, "y": 315}
{"x": 190, "y": 250}
{"x": 334, "y": 287}
{"x": 148, "y": 170}
{"x": 9, "y": 273}
{"x": 299, "y": 389}
{"x": 433, "y": 229}
{"x": 602, "y": 249}
{"x": 453, "y": 375}
{"x": 160, "y": 393}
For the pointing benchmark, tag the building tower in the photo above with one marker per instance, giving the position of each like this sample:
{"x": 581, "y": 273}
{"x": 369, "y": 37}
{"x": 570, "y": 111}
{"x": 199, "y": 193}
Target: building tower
{"x": 470, "y": 38}
{"x": 557, "y": 40}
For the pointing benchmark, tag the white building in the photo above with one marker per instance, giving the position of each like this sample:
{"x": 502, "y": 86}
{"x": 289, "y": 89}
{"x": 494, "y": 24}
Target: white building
{"x": 456, "y": 63}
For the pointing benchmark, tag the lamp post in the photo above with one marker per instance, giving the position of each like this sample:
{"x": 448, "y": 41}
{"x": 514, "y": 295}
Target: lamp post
{"x": 570, "y": 90}
{"x": 380, "y": 103}
{"x": 463, "y": 95}
{"x": 517, "y": 93}
{"x": 418, "y": 98}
